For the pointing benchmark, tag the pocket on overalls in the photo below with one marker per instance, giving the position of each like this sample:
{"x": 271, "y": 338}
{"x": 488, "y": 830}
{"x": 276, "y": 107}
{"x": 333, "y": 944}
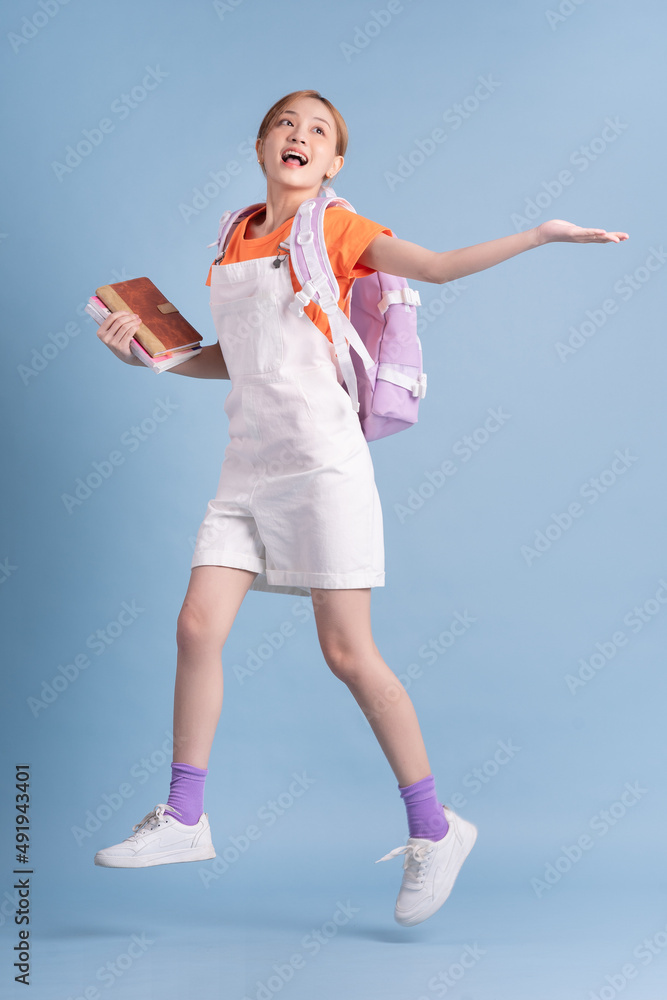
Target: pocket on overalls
{"x": 250, "y": 334}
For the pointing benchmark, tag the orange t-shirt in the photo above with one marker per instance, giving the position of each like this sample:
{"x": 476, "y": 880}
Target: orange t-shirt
{"x": 346, "y": 236}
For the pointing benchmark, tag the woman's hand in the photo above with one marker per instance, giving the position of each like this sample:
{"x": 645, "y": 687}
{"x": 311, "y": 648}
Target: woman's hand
{"x": 117, "y": 331}
{"x": 559, "y": 231}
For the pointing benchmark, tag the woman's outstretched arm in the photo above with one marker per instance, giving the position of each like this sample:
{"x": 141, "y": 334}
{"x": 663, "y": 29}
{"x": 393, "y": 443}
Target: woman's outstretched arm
{"x": 394, "y": 256}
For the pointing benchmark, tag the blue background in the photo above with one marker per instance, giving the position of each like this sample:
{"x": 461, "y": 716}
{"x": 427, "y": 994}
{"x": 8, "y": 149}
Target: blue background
{"x": 142, "y": 201}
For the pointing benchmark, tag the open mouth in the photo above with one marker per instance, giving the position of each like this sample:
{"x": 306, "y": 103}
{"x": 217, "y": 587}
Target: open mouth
{"x": 294, "y": 157}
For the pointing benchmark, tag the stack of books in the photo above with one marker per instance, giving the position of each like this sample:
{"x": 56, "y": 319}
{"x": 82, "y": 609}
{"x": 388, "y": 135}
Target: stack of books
{"x": 164, "y": 339}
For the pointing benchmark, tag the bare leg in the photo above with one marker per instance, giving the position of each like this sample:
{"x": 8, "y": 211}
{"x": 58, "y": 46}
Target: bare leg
{"x": 344, "y": 630}
{"x": 213, "y": 598}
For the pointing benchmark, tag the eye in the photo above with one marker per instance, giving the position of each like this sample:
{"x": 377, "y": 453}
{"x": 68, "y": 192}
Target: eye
{"x": 288, "y": 121}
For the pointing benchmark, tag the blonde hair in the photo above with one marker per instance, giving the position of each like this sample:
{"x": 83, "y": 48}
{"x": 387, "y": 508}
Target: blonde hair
{"x": 276, "y": 110}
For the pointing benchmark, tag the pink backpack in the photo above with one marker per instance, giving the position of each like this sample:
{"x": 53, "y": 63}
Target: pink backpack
{"x": 384, "y": 376}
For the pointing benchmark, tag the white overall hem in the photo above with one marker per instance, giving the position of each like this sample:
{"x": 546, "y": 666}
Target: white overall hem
{"x": 290, "y": 582}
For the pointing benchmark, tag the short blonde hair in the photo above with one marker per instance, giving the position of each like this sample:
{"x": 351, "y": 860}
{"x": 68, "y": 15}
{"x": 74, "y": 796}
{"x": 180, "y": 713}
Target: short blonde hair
{"x": 276, "y": 110}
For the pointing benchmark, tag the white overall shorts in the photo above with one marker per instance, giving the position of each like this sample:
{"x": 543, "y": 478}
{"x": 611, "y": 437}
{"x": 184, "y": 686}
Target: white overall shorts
{"x": 296, "y": 501}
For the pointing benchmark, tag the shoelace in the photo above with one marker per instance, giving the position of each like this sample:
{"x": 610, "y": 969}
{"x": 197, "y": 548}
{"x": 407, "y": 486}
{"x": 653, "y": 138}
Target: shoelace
{"x": 415, "y": 862}
{"x": 150, "y": 820}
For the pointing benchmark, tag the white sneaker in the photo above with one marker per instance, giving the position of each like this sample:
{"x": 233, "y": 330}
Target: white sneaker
{"x": 430, "y": 869}
{"x": 160, "y": 840}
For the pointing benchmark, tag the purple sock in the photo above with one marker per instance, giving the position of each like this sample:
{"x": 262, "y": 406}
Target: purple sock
{"x": 426, "y": 817}
{"x": 186, "y": 793}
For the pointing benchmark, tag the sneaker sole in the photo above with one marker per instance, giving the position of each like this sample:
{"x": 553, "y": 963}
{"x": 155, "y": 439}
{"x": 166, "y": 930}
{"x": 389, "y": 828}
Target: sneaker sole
{"x": 468, "y": 836}
{"x": 197, "y": 854}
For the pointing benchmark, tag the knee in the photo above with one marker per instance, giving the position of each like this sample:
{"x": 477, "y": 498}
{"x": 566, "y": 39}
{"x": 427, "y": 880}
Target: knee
{"x": 344, "y": 663}
{"x": 192, "y": 627}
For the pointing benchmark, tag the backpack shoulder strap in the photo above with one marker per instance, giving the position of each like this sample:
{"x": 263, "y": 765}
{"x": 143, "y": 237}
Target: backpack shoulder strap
{"x": 309, "y": 255}
{"x": 312, "y": 268}
{"x": 228, "y": 222}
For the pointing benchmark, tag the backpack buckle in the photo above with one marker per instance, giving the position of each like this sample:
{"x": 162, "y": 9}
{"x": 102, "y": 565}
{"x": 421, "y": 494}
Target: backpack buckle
{"x": 419, "y": 387}
{"x": 408, "y": 296}
{"x": 301, "y": 299}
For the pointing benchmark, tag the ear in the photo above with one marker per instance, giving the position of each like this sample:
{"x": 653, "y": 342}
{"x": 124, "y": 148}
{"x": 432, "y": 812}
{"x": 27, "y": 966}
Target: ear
{"x": 258, "y": 147}
{"x": 335, "y": 168}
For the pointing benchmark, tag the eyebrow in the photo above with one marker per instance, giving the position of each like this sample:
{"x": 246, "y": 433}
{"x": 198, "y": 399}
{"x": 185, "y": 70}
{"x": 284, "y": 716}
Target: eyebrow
{"x": 315, "y": 118}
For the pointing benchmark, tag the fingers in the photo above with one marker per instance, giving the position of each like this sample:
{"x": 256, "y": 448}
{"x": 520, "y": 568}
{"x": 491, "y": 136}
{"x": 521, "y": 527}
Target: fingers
{"x": 593, "y": 235}
{"x": 606, "y": 237}
{"x": 119, "y": 326}
{"x": 602, "y": 236}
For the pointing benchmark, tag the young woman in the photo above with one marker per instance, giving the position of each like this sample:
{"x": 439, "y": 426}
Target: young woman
{"x": 297, "y": 509}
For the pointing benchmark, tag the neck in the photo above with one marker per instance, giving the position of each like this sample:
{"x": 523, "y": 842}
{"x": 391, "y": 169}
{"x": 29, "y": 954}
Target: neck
{"x": 281, "y": 204}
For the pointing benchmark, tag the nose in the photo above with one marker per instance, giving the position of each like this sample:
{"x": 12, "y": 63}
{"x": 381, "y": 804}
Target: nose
{"x": 295, "y": 134}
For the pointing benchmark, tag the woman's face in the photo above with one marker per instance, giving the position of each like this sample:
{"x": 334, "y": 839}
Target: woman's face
{"x": 300, "y": 147}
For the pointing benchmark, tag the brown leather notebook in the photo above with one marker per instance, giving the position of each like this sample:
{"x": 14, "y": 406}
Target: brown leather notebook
{"x": 162, "y": 327}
